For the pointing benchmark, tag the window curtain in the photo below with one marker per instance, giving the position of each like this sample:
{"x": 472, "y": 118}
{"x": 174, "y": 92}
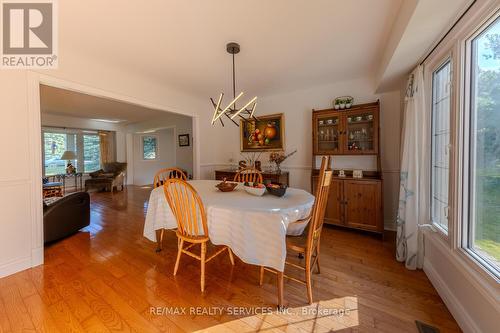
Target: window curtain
{"x": 413, "y": 190}
{"x": 107, "y": 146}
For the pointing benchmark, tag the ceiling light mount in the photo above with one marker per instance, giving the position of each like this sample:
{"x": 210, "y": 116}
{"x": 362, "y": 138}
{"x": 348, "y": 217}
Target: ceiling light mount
{"x": 233, "y": 48}
{"x": 231, "y": 111}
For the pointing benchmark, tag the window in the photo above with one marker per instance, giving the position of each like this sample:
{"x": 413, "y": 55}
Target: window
{"x": 482, "y": 155}
{"x": 86, "y": 144}
{"x": 149, "y": 147}
{"x": 55, "y": 144}
{"x": 440, "y": 132}
{"x": 91, "y": 153}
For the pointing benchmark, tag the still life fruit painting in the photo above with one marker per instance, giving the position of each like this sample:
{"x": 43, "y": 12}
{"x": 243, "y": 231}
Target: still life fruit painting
{"x": 265, "y": 133}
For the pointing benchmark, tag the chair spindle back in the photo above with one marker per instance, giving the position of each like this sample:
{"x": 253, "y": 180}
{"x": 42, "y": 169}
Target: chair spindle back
{"x": 250, "y": 175}
{"x": 168, "y": 173}
{"x": 187, "y": 207}
{"x": 319, "y": 208}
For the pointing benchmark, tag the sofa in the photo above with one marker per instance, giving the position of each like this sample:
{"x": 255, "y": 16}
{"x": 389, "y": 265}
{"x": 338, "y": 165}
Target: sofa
{"x": 65, "y": 216}
{"x": 111, "y": 176}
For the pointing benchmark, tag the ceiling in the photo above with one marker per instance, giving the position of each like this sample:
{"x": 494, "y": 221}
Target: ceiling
{"x": 73, "y": 104}
{"x": 285, "y": 44}
{"x": 418, "y": 27}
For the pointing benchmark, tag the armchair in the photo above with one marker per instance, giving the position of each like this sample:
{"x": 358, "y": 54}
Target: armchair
{"x": 111, "y": 176}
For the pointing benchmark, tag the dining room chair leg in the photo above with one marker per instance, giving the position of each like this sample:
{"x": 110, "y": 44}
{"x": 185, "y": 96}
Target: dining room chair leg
{"x": 231, "y": 258}
{"x": 203, "y": 254}
{"x": 159, "y": 239}
{"x": 261, "y": 278}
{"x": 179, "y": 253}
{"x": 309, "y": 286}
{"x": 280, "y": 277}
{"x": 317, "y": 259}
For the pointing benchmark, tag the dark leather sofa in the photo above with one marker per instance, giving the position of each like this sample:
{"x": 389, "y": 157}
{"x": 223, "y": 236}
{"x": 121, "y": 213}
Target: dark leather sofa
{"x": 66, "y": 216}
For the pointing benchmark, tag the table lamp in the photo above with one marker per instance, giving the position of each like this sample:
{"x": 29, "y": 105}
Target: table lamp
{"x": 69, "y": 155}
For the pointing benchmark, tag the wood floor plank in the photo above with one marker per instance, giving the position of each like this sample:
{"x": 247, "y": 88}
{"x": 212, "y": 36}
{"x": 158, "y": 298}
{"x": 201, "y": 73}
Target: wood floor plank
{"x": 108, "y": 278}
{"x": 63, "y": 317}
{"x": 93, "y": 325}
{"x": 40, "y": 315}
{"x": 4, "y": 320}
{"x": 17, "y": 314}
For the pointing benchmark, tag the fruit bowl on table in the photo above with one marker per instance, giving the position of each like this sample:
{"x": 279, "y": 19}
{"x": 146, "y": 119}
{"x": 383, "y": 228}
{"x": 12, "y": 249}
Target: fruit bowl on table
{"x": 226, "y": 186}
{"x": 276, "y": 189}
{"x": 255, "y": 189}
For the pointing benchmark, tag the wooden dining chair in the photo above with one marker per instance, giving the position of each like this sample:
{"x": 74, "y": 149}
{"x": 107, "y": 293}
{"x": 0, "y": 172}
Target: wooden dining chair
{"x": 308, "y": 244}
{"x": 160, "y": 177}
{"x": 250, "y": 175}
{"x": 192, "y": 227}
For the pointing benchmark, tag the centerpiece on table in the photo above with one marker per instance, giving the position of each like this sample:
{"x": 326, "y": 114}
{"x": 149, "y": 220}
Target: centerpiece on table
{"x": 278, "y": 158}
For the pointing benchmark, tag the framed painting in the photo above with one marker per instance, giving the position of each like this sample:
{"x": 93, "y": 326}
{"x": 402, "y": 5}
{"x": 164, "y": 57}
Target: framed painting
{"x": 184, "y": 140}
{"x": 265, "y": 134}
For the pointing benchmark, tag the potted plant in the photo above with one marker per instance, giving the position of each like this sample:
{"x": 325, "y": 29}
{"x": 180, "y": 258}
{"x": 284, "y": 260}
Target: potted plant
{"x": 342, "y": 103}
{"x": 336, "y": 104}
{"x": 348, "y": 103}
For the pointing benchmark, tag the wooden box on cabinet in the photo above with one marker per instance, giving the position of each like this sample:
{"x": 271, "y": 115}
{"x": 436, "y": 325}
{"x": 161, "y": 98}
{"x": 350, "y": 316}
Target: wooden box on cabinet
{"x": 354, "y": 203}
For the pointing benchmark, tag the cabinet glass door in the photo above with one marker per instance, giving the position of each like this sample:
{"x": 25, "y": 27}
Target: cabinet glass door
{"x": 361, "y": 133}
{"x": 327, "y": 134}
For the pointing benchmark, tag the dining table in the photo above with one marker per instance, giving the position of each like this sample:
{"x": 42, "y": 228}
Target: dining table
{"x": 253, "y": 227}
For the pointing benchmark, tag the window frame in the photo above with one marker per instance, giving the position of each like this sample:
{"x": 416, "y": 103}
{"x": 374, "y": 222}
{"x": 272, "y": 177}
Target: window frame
{"x": 79, "y": 133}
{"x": 465, "y": 223}
{"x": 157, "y": 148}
{"x": 438, "y": 65}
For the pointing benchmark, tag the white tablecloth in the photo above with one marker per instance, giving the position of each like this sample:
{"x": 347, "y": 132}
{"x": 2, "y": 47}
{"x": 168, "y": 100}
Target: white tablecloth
{"x": 253, "y": 227}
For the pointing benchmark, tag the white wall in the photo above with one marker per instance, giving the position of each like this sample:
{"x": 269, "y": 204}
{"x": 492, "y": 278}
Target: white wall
{"x": 181, "y": 125}
{"x": 84, "y": 123}
{"x": 144, "y": 170}
{"x": 297, "y": 107}
{"x": 17, "y": 249}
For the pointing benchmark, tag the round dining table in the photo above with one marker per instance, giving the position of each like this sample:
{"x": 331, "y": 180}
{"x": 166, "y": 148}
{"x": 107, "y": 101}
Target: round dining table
{"x": 254, "y": 227}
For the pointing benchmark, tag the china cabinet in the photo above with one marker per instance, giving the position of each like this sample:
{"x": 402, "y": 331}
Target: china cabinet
{"x": 353, "y": 202}
{"x": 354, "y": 131}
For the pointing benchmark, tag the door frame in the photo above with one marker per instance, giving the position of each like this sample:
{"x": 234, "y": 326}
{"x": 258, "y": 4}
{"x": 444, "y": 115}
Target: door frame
{"x": 34, "y": 80}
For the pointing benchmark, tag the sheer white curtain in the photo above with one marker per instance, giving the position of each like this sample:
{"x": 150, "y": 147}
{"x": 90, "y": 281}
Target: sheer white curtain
{"x": 413, "y": 191}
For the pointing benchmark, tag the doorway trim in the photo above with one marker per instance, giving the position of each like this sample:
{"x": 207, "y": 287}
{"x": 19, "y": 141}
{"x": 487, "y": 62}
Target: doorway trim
{"x": 34, "y": 80}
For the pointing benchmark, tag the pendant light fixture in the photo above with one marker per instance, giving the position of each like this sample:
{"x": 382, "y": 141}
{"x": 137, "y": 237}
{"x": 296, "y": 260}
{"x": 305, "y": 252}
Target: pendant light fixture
{"x": 231, "y": 111}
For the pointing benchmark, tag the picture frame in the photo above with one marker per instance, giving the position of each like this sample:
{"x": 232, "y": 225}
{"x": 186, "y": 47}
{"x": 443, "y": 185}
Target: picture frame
{"x": 184, "y": 140}
{"x": 267, "y": 133}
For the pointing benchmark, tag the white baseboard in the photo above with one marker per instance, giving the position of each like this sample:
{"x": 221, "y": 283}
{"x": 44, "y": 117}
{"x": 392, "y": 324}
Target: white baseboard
{"x": 390, "y": 225}
{"x": 21, "y": 264}
{"x": 460, "y": 314}
{"x": 15, "y": 266}
{"x": 37, "y": 256}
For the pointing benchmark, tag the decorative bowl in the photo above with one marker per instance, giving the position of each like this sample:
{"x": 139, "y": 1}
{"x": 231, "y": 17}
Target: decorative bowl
{"x": 257, "y": 191}
{"x": 226, "y": 186}
{"x": 276, "y": 189}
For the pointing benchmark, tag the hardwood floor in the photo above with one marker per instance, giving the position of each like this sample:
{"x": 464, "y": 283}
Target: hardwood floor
{"x": 108, "y": 278}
